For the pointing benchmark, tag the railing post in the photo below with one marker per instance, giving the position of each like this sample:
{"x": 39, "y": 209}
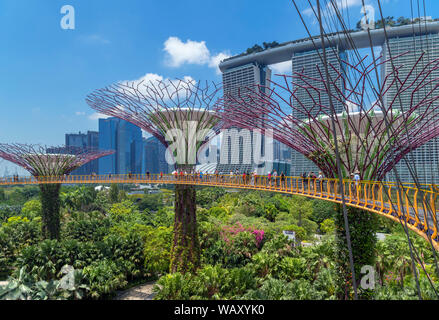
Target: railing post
{"x": 433, "y": 197}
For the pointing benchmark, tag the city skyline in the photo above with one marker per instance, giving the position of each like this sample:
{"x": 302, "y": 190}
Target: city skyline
{"x": 54, "y": 104}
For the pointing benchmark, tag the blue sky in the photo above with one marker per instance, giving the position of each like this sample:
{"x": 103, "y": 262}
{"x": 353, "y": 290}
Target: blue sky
{"x": 46, "y": 72}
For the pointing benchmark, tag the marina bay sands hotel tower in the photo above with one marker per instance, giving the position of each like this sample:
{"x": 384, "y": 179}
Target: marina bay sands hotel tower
{"x": 249, "y": 69}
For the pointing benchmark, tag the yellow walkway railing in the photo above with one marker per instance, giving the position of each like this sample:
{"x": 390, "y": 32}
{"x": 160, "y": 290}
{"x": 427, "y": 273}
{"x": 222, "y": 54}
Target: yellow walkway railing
{"x": 404, "y": 203}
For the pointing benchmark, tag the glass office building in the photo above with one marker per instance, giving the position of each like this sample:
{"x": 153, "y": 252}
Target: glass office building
{"x": 423, "y": 161}
{"x": 126, "y": 139}
{"x": 154, "y": 156}
{"x": 309, "y": 63}
{"x": 89, "y": 140}
{"x": 236, "y": 153}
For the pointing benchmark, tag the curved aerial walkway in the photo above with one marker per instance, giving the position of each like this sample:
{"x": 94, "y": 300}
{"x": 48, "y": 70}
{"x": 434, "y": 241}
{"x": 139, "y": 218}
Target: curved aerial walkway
{"x": 402, "y": 203}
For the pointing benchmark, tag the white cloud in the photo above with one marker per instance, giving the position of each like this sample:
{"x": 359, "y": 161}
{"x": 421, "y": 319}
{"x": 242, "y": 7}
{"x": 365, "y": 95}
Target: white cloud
{"x": 215, "y": 61}
{"x": 282, "y": 67}
{"x": 179, "y": 52}
{"x": 173, "y": 86}
{"x": 340, "y": 4}
{"x": 191, "y": 52}
{"x": 79, "y": 113}
{"x": 147, "y": 78}
{"x": 95, "y": 116}
{"x": 94, "y": 39}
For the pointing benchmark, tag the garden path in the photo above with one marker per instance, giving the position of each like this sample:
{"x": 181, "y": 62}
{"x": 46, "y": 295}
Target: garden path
{"x": 140, "y": 292}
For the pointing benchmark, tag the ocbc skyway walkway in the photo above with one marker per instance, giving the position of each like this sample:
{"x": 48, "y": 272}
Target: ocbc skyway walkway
{"x": 406, "y": 203}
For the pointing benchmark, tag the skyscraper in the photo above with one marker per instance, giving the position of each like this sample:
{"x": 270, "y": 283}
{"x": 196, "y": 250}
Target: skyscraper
{"x": 84, "y": 141}
{"x": 126, "y": 139}
{"x": 425, "y": 159}
{"x": 154, "y": 156}
{"x": 309, "y": 63}
{"x": 237, "y": 144}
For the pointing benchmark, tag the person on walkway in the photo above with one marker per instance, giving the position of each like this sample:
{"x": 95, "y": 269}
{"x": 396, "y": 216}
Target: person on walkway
{"x": 312, "y": 179}
{"x": 275, "y": 178}
{"x": 282, "y": 180}
{"x": 320, "y": 181}
{"x": 304, "y": 180}
{"x": 269, "y": 178}
{"x": 357, "y": 183}
{"x": 161, "y": 175}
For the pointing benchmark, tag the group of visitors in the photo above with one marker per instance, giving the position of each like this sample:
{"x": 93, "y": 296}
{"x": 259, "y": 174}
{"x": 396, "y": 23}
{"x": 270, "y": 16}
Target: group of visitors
{"x": 312, "y": 181}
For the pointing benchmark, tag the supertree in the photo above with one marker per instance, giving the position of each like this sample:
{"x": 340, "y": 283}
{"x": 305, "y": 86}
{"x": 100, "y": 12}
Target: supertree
{"x": 360, "y": 138}
{"x": 178, "y": 113}
{"x": 49, "y": 163}
{"x": 371, "y": 140}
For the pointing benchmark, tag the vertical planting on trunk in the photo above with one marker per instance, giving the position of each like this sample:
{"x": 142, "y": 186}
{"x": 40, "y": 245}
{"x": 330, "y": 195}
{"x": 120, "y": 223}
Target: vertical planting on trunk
{"x": 362, "y": 226}
{"x": 185, "y": 254}
{"x": 50, "y": 203}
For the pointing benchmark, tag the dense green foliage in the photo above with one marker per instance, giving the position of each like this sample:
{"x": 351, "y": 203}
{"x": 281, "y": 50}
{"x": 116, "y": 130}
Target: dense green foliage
{"x": 362, "y": 227}
{"x": 110, "y": 240}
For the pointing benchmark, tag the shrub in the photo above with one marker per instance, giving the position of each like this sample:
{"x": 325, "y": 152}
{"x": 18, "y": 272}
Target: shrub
{"x": 208, "y": 196}
{"x": 271, "y": 212}
{"x": 104, "y": 278}
{"x": 157, "y": 250}
{"x": 7, "y": 211}
{"x": 210, "y": 282}
{"x": 174, "y": 286}
{"x": 271, "y": 289}
{"x": 280, "y": 246}
{"x": 328, "y": 226}
{"x": 275, "y": 289}
{"x": 122, "y": 211}
{"x": 25, "y": 286}
{"x": 151, "y": 202}
{"x": 218, "y": 212}
{"x": 214, "y": 282}
{"x": 264, "y": 263}
{"x": 239, "y": 281}
{"x": 299, "y": 231}
{"x": 45, "y": 259}
{"x": 16, "y": 234}
{"x": 325, "y": 282}
{"x": 127, "y": 252}
{"x": 31, "y": 209}
{"x": 292, "y": 268}
{"x": 91, "y": 229}
{"x": 163, "y": 217}
{"x": 229, "y": 233}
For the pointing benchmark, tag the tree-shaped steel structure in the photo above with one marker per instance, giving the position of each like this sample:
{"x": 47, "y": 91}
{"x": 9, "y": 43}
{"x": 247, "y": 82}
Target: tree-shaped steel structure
{"x": 179, "y": 114}
{"x": 43, "y": 162}
{"x": 371, "y": 139}
{"x": 361, "y": 138}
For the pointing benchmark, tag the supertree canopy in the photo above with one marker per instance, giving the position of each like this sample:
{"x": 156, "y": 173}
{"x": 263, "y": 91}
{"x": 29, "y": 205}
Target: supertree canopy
{"x": 330, "y": 119}
{"x": 371, "y": 139}
{"x": 49, "y": 162}
{"x": 53, "y": 161}
{"x": 178, "y": 113}
{"x": 174, "y": 111}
